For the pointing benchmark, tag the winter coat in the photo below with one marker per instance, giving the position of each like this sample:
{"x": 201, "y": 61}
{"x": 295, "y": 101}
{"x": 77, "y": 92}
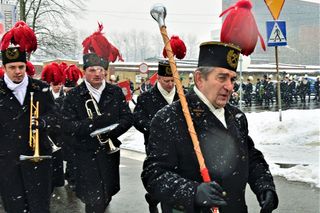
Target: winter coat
{"x": 24, "y": 185}
{"x": 148, "y": 104}
{"x": 171, "y": 171}
{"x": 97, "y": 173}
{"x": 57, "y": 156}
{"x": 269, "y": 90}
{"x": 145, "y": 87}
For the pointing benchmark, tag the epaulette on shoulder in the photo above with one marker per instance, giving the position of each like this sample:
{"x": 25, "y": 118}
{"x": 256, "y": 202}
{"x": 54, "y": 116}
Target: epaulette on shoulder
{"x": 39, "y": 85}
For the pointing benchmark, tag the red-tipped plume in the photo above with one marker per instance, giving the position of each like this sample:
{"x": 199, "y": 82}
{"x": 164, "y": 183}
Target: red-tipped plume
{"x": 115, "y": 54}
{"x": 63, "y": 66}
{"x": 20, "y": 35}
{"x": 240, "y": 27}
{"x": 1, "y": 72}
{"x": 97, "y": 43}
{"x": 52, "y": 73}
{"x": 178, "y": 48}
{"x": 73, "y": 73}
{"x": 30, "y": 69}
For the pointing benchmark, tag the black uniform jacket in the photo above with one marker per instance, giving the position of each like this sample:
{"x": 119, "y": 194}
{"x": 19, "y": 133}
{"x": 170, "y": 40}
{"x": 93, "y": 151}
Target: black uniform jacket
{"x": 171, "y": 172}
{"x": 24, "y": 181}
{"x": 148, "y": 104}
{"x": 97, "y": 173}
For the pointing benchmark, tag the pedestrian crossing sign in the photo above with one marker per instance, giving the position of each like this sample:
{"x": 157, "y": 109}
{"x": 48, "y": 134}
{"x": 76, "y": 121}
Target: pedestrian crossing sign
{"x": 276, "y": 33}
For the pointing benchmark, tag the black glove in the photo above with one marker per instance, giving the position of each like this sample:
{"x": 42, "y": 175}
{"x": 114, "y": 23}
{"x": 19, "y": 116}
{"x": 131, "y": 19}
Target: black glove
{"x": 267, "y": 201}
{"x": 41, "y": 124}
{"x": 100, "y": 121}
{"x": 210, "y": 195}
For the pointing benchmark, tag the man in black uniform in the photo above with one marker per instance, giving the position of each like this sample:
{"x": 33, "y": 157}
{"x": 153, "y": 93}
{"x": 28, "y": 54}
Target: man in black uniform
{"x": 149, "y": 103}
{"x": 92, "y": 105}
{"x": 25, "y": 184}
{"x": 248, "y": 91}
{"x": 171, "y": 172}
{"x": 54, "y": 75}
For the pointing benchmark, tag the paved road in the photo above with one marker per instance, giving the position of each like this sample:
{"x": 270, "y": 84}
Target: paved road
{"x": 295, "y": 197}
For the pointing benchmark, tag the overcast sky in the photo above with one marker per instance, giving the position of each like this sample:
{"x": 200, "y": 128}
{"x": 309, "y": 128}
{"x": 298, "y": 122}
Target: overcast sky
{"x": 183, "y": 17}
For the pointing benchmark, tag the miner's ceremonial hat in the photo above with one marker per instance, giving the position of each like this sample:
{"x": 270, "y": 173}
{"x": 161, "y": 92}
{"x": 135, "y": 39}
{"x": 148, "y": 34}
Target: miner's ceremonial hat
{"x": 164, "y": 68}
{"x": 17, "y": 42}
{"x": 98, "y": 51}
{"x": 218, "y": 54}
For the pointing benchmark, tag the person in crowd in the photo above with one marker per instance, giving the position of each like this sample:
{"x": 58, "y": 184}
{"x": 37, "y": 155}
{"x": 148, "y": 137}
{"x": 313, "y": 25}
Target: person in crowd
{"x": 317, "y": 89}
{"x": 235, "y": 95}
{"x": 55, "y": 77}
{"x": 27, "y": 114}
{"x": 171, "y": 172}
{"x": 149, "y": 103}
{"x": 191, "y": 82}
{"x": 145, "y": 85}
{"x": 269, "y": 91}
{"x": 248, "y": 92}
{"x": 258, "y": 94}
{"x": 304, "y": 89}
{"x": 73, "y": 75}
{"x": 291, "y": 90}
{"x": 283, "y": 90}
{"x": 95, "y": 105}
{"x": 113, "y": 79}
{"x": 295, "y": 91}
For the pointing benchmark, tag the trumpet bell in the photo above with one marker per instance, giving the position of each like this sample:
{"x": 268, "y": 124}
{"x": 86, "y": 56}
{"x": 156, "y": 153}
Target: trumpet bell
{"x": 111, "y": 151}
{"x": 112, "y": 148}
{"x": 104, "y": 130}
{"x": 55, "y": 148}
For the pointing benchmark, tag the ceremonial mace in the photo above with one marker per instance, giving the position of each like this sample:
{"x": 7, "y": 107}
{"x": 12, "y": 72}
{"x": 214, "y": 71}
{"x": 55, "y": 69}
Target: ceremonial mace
{"x": 159, "y": 12}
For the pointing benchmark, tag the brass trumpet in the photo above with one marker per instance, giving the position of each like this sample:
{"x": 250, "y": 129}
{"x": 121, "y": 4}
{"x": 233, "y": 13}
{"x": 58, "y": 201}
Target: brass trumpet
{"x": 34, "y": 133}
{"x": 102, "y": 131}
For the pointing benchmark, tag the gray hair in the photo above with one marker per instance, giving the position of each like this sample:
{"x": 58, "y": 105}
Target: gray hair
{"x": 205, "y": 71}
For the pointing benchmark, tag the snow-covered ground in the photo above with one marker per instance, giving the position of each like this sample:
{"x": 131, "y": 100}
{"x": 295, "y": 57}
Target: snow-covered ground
{"x": 294, "y": 142}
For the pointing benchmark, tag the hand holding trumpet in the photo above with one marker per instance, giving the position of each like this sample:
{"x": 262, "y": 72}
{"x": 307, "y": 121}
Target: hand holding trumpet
{"x": 38, "y": 123}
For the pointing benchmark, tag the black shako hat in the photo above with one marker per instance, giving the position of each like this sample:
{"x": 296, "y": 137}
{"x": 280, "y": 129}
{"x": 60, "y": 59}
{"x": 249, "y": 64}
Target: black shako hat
{"x": 164, "y": 69}
{"x": 218, "y": 54}
{"x": 91, "y": 59}
{"x": 13, "y": 54}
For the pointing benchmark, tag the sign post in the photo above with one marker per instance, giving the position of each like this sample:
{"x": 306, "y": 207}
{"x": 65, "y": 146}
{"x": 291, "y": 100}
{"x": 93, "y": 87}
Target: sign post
{"x": 277, "y": 36}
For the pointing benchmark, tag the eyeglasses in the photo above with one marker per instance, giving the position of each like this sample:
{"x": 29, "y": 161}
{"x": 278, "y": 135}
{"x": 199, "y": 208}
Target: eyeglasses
{"x": 95, "y": 69}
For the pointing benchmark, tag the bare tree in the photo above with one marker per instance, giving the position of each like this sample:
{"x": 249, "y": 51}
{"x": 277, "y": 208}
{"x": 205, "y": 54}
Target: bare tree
{"x": 140, "y": 45}
{"x": 49, "y": 20}
{"x": 192, "y": 46}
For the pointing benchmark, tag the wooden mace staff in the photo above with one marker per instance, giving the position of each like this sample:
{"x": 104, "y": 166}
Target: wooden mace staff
{"x": 159, "y": 12}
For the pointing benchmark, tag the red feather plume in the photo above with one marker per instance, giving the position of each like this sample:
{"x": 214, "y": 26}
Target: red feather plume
{"x": 22, "y": 35}
{"x": 178, "y": 47}
{"x": 240, "y": 27}
{"x": 115, "y": 54}
{"x": 73, "y": 73}
{"x": 52, "y": 73}
{"x": 30, "y": 69}
{"x": 1, "y": 72}
{"x": 97, "y": 43}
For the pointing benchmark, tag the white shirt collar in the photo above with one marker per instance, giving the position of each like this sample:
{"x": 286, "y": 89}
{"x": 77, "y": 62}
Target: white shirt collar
{"x": 169, "y": 96}
{"x": 218, "y": 112}
{"x": 96, "y": 93}
{"x": 19, "y": 90}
